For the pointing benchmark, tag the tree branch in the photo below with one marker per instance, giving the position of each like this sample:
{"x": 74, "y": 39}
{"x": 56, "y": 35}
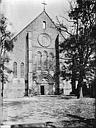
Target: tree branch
{"x": 67, "y": 19}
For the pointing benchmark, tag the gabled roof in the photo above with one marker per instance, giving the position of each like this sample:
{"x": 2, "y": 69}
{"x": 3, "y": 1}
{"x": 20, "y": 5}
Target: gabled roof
{"x": 32, "y": 22}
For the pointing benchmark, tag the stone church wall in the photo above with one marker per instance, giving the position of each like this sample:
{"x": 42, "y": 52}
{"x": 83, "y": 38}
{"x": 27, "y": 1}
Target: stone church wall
{"x": 41, "y": 60}
{"x": 16, "y": 86}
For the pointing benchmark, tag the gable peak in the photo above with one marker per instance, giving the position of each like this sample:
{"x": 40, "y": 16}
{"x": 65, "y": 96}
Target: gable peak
{"x": 44, "y": 5}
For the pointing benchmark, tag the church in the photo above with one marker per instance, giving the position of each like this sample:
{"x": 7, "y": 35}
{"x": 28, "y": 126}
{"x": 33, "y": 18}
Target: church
{"x": 33, "y": 59}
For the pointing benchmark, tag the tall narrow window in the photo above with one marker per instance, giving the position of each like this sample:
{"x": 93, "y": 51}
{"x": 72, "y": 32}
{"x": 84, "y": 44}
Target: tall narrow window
{"x": 51, "y": 61}
{"x": 44, "y": 24}
{"x": 45, "y": 60}
{"x": 39, "y": 55}
{"x": 22, "y": 70}
{"x": 51, "y": 56}
{"x": 15, "y": 69}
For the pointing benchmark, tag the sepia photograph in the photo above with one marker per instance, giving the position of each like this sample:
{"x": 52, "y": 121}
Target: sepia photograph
{"x": 47, "y": 63}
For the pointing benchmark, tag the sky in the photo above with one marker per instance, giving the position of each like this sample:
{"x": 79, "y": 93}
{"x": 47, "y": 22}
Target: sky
{"x": 22, "y": 12}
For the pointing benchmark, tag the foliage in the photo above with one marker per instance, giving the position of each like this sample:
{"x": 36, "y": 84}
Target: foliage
{"x": 80, "y": 46}
{"x": 6, "y": 45}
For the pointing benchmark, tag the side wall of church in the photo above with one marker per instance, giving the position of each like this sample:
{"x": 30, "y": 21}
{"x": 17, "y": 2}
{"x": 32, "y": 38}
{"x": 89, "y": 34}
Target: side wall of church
{"x": 15, "y": 87}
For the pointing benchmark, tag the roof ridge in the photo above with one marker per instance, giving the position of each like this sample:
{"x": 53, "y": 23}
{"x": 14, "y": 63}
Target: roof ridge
{"x": 28, "y": 25}
{"x": 33, "y": 21}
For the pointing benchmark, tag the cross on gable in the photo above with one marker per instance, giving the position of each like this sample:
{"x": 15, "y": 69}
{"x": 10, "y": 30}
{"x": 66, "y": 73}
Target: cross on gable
{"x": 44, "y": 4}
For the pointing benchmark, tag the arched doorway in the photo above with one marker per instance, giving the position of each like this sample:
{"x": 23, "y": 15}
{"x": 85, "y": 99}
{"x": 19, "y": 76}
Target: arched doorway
{"x": 45, "y": 82}
{"x": 44, "y": 87}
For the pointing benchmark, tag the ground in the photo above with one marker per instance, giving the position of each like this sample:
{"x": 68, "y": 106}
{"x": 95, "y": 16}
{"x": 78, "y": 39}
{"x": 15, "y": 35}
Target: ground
{"x": 50, "y": 111}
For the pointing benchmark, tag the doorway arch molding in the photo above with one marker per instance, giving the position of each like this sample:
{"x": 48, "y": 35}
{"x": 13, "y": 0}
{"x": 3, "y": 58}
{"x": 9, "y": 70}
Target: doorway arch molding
{"x": 46, "y": 76}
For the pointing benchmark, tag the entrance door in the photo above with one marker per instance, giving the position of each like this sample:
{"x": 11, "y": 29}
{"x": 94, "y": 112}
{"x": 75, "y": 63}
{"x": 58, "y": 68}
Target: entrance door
{"x": 42, "y": 90}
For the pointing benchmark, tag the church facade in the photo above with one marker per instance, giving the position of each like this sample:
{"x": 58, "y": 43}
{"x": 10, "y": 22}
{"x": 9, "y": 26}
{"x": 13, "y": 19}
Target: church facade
{"x": 33, "y": 59}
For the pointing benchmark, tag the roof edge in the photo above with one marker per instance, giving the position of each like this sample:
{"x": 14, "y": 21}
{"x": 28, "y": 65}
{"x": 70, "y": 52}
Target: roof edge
{"x": 26, "y": 26}
{"x": 33, "y": 21}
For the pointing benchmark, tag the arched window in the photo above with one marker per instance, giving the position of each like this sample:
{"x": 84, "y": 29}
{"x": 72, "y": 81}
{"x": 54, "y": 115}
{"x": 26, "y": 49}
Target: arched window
{"x": 45, "y": 59}
{"x": 45, "y": 55}
{"x": 44, "y": 24}
{"x": 15, "y": 69}
{"x": 51, "y": 56}
{"x": 51, "y": 61}
{"x": 39, "y": 55}
{"x": 22, "y": 70}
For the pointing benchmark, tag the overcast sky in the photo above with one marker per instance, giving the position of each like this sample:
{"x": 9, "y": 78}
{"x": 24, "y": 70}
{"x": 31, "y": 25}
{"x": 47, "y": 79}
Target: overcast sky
{"x": 22, "y": 12}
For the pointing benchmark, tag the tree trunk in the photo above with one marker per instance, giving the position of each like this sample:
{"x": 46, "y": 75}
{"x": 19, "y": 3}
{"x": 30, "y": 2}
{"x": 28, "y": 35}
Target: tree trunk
{"x": 73, "y": 82}
{"x": 81, "y": 93}
{"x": 26, "y": 67}
{"x": 57, "y": 72}
{"x": 1, "y": 99}
{"x": 73, "y": 79}
{"x": 80, "y": 84}
{"x": 81, "y": 73}
{"x": 1, "y": 105}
